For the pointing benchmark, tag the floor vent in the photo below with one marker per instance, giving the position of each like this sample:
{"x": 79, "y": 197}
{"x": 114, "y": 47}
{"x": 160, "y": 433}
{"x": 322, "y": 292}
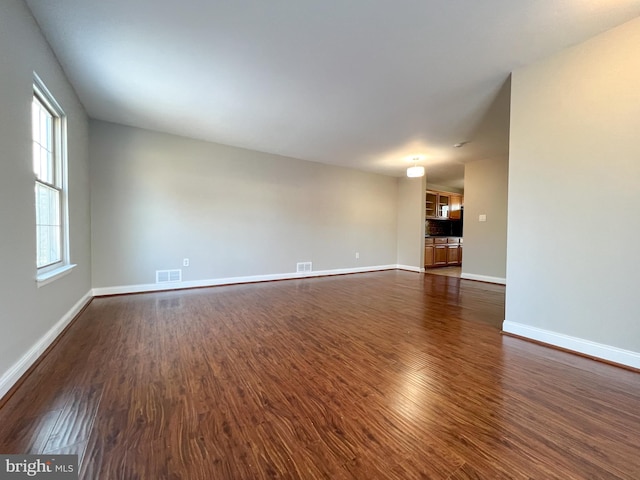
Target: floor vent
{"x": 303, "y": 267}
{"x": 168, "y": 276}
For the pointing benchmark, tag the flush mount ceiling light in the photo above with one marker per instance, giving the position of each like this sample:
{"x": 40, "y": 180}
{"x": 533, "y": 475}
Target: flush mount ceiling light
{"x": 415, "y": 171}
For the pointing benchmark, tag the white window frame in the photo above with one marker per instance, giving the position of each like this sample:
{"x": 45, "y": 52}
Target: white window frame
{"x": 48, "y": 273}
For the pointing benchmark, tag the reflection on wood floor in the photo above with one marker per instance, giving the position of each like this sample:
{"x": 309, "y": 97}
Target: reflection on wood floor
{"x": 445, "y": 271}
{"x": 387, "y": 375}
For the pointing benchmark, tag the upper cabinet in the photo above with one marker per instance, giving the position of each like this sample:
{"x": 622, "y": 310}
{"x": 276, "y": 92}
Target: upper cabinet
{"x": 455, "y": 206}
{"x": 443, "y": 205}
{"x": 432, "y": 204}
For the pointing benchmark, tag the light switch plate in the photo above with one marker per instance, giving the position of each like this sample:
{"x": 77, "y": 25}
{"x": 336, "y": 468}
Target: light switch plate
{"x": 482, "y": 218}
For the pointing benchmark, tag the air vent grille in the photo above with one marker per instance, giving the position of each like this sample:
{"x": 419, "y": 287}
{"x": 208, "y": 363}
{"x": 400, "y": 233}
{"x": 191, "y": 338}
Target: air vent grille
{"x": 303, "y": 267}
{"x": 168, "y": 276}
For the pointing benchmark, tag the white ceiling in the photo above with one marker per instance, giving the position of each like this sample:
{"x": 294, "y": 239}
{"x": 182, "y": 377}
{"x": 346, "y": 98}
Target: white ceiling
{"x": 361, "y": 83}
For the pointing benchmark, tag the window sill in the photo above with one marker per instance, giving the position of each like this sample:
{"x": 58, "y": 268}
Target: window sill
{"x": 48, "y": 277}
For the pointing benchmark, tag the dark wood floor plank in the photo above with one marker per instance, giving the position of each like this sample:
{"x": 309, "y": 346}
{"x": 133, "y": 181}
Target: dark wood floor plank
{"x": 26, "y": 434}
{"x": 390, "y": 375}
{"x": 75, "y": 422}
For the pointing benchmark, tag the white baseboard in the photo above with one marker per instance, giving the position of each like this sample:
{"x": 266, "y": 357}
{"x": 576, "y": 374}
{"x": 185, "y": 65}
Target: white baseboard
{"x": 484, "y": 278}
{"x": 575, "y": 344}
{"x": 155, "y": 287}
{"x": 11, "y": 376}
{"x": 410, "y": 268}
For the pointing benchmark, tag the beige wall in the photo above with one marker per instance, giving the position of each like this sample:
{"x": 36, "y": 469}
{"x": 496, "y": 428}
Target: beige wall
{"x": 411, "y": 222}
{"x": 27, "y": 313}
{"x": 574, "y": 201}
{"x": 159, "y": 198}
{"x": 485, "y": 243}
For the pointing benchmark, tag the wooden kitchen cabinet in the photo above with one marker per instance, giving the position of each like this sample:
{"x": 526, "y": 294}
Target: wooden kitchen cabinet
{"x": 431, "y": 205}
{"x": 442, "y": 251}
{"x": 443, "y": 205}
{"x": 428, "y": 256}
{"x": 453, "y": 254}
{"x": 428, "y": 252}
{"x": 455, "y": 209}
{"x": 440, "y": 256}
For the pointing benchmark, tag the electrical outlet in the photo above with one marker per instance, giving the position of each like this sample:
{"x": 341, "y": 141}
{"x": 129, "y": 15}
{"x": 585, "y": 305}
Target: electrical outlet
{"x": 357, "y": 255}
{"x": 185, "y": 262}
{"x": 482, "y": 218}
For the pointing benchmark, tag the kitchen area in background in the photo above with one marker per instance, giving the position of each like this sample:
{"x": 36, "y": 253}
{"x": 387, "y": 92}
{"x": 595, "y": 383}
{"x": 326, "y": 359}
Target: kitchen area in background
{"x": 444, "y": 219}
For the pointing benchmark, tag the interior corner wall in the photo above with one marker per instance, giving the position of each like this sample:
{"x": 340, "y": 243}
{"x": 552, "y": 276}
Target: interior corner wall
{"x": 160, "y": 198}
{"x": 28, "y": 313}
{"x": 574, "y": 201}
{"x": 411, "y": 222}
{"x": 485, "y": 243}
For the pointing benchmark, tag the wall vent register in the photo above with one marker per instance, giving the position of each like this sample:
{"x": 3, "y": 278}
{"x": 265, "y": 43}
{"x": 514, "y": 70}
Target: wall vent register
{"x": 303, "y": 267}
{"x": 168, "y": 276}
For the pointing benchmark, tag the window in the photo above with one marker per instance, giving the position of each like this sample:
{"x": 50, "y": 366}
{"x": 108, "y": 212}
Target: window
{"x": 49, "y": 166}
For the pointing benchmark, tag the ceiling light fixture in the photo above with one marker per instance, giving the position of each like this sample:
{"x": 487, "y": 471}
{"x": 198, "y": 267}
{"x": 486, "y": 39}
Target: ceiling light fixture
{"x": 415, "y": 171}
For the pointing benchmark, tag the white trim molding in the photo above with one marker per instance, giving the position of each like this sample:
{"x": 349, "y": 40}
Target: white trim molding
{"x": 11, "y": 376}
{"x": 46, "y": 278}
{"x": 410, "y": 268}
{"x": 155, "y": 287}
{"x": 575, "y": 344}
{"x": 483, "y": 278}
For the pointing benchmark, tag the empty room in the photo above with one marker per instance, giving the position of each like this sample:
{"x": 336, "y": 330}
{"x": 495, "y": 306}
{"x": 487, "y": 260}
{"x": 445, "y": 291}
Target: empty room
{"x": 319, "y": 240}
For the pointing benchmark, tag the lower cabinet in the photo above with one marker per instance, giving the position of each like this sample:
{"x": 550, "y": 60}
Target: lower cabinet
{"x": 442, "y": 251}
{"x": 453, "y": 254}
{"x": 440, "y": 256}
{"x": 428, "y": 256}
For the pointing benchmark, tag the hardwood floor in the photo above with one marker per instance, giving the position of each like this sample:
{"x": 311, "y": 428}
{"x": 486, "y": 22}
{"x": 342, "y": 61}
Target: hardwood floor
{"x": 446, "y": 271}
{"x": 387, "y": 375}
